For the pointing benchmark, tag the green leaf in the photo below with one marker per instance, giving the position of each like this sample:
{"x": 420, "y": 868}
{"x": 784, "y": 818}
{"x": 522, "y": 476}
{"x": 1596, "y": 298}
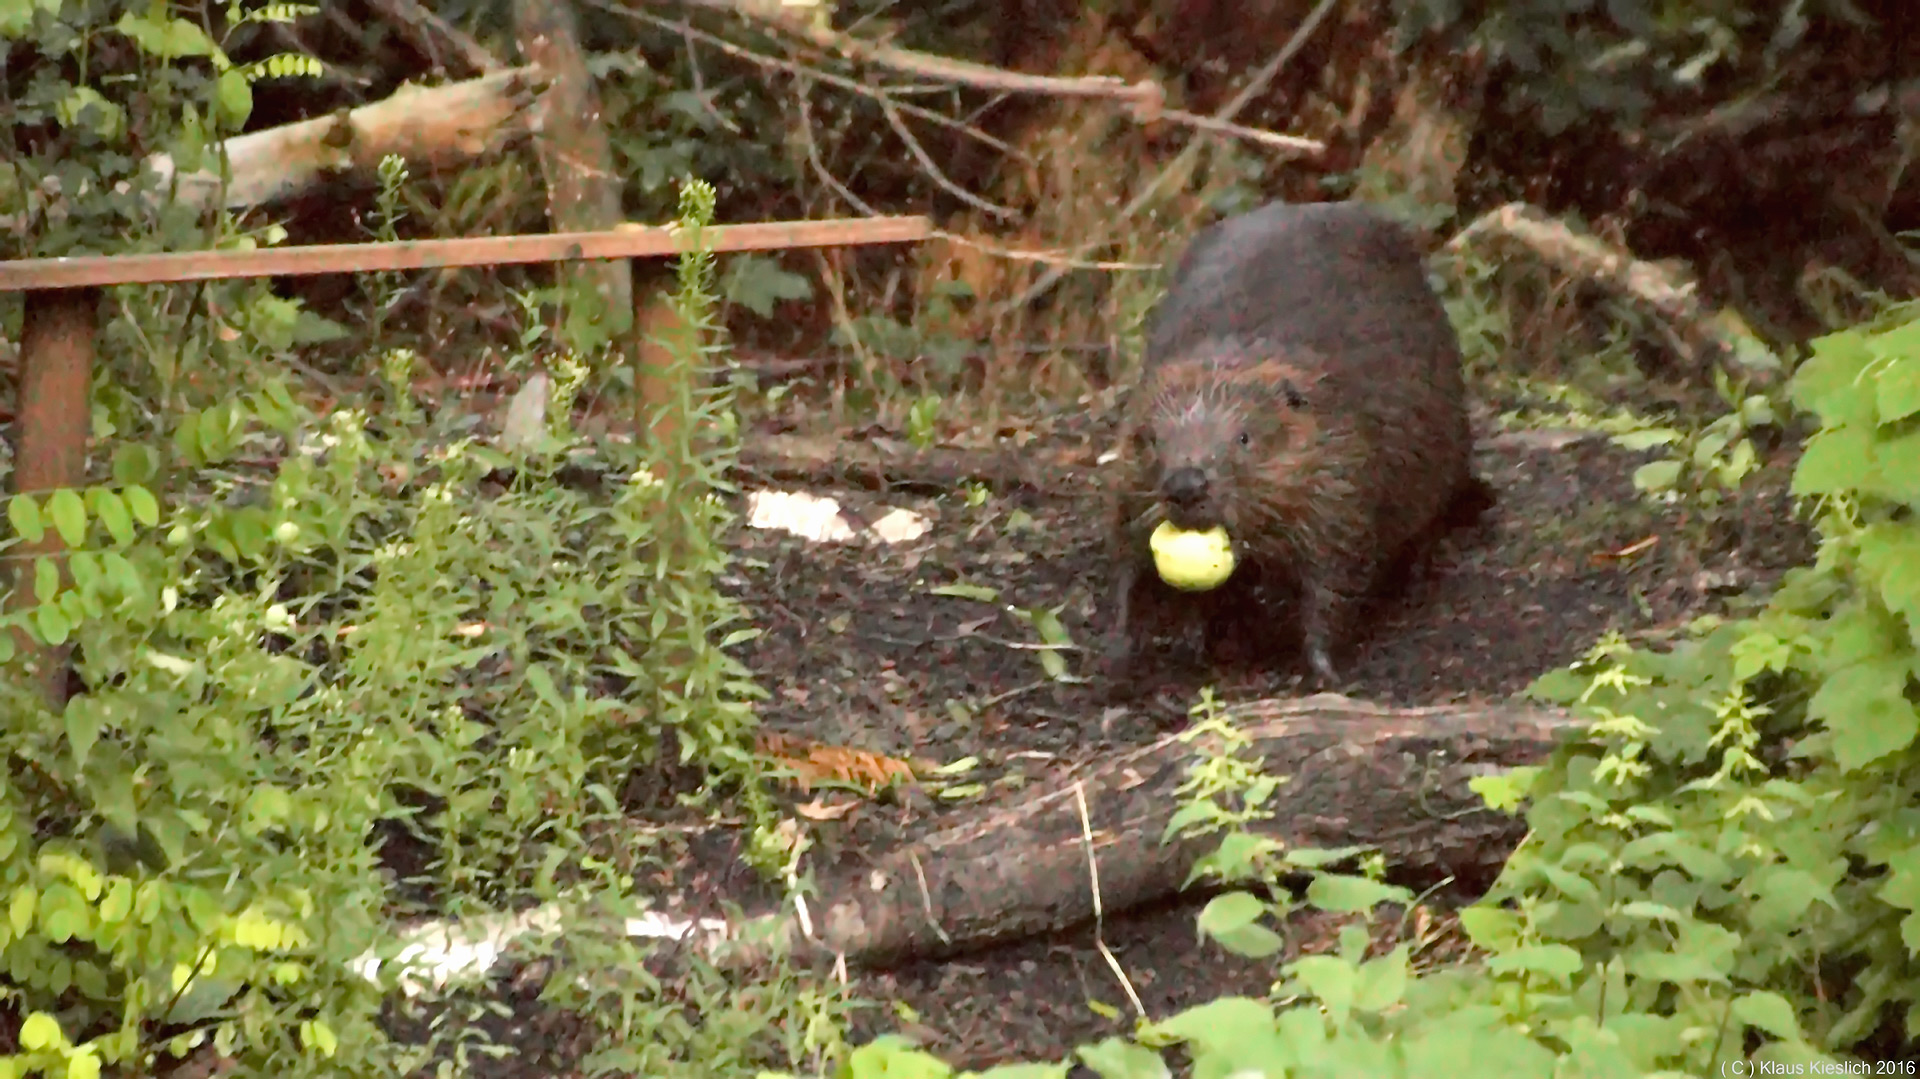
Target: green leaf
{"x": 117, "y": 902}
{"x": 1770, "y": 1012}
{"x": 1829, "y": 382}
{"x": 24, "y": 514}
{"x": 1896, "y": 472}
{"x": 52, "y": 624}
{"x": 265, "y": 807}
{"x": 46, "y": 579}
{"x": 1337, "y": 892}
{"x": 1897, "y": 389}
{"x": 186, "y": 439}
{"x": 1646, "y": 439}
{"x": 1232, "y": 920}
{"x": 211, "y": 432}
{"x": 1231, "y": 911}
{"x": 41, "y": 1031}
{"x": 83, "y": 1064}
{"x": 167, "y": 39}
{"x": 1836, "y": 460}
{"x": 249, "y": 532}
{"x": 1680, "y": 968}
{"x": 83, "y": 728}
{"x": 69, "y": 515}
{"x": 757, "y": 283}
{"x": 1866, "y": 707}
{"x": 1656, "y": 475}
{"x": 21, "y": 908}
{"x": 112, "y": 512}
{"x": 1900, "y": 342}
{"x": 134, "y": 463}
{"x": 146, "y": 508}
{"x": 121, "y": 573}
{"x": 1118, "y": 1058}
{"x": 1557, "y": 960}
{"x": 1219, "y": 1022}
{"x": 235, "y": 98}
{"x": 1382, "y": 982}
{"x": 1329, "y": 978}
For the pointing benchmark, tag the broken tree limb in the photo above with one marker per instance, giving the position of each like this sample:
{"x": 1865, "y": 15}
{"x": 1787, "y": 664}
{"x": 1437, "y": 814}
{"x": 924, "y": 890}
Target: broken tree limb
{"x": 432, "y": 35}
{"x": 441, "y": 125}
{"x": 1356, "y": 774}
{"x": 1702, "y": 337}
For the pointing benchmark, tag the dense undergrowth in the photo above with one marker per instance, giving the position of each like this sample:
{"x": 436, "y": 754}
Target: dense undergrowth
{"x": 330, "y": 667}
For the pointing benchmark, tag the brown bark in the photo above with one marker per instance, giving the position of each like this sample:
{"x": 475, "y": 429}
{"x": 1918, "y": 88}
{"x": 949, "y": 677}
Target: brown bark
{"x": 442, "y": 125}
{"x": 1357, "y": 774}
{"x": 583, "y": 190}
{"x": 56, "y": 361}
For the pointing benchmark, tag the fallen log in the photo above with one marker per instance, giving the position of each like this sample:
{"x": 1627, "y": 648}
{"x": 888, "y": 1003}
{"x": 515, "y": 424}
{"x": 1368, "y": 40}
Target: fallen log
{"x": 1394, "y": 780}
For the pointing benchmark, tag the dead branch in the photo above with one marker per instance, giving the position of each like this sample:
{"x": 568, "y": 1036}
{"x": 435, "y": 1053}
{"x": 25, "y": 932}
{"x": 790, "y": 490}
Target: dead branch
{"x": 1701, "y": 337}
{"x": 1356, "y": 774}
{"x": 1183, "y": 162}
{"x": 432, "y": 34}
{"x": 774, "y": 63}
{"x": 1146, "y": 99}
{"x": 442, "y": 125}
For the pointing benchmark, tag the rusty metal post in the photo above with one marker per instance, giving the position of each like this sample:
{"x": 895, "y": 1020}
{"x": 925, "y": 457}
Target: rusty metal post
{"x": 52, "y": 422}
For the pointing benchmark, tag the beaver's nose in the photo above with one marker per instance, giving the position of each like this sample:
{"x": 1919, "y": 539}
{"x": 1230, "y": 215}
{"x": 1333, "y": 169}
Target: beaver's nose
{"x": 1185, "y": 486}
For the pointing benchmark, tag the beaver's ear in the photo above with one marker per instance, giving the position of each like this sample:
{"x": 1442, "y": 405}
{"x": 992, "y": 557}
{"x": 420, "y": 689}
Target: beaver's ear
{"x": 1290, "y": 393}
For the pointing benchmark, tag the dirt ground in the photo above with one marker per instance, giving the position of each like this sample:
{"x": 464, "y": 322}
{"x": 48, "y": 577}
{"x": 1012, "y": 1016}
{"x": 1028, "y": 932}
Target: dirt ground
{"x": 858, "y": 650}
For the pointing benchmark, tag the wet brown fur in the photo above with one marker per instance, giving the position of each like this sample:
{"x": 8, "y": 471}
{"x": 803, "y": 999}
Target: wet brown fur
{"x": 1355, "y": 456}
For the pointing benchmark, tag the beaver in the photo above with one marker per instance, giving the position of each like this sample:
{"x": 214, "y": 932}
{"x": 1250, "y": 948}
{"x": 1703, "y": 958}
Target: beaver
{"x": 1301, "y": 386}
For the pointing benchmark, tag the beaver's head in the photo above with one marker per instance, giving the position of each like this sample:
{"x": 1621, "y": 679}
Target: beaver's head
{"x": 1230, "y": 428}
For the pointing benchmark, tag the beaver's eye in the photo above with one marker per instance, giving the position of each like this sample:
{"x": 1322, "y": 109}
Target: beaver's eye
{"x": 1246, "y": 439}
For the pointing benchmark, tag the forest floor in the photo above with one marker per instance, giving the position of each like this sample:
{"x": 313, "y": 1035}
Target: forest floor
{"x": 859, "y": 650}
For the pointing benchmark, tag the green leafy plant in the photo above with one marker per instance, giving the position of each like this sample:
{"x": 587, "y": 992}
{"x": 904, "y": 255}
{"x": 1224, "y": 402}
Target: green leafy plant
{"x": 292, "y": 632}
{"x": 1705, "y": 465}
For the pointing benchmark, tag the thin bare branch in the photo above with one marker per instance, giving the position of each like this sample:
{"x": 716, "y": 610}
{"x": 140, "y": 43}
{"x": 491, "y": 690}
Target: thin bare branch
{"x": 932, "y": 170}
{"x": 1183, "y": 161}
{"x": 830, "y": 79}
{"x": 813, "y": 154}
{"x": 430, "y": 33}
